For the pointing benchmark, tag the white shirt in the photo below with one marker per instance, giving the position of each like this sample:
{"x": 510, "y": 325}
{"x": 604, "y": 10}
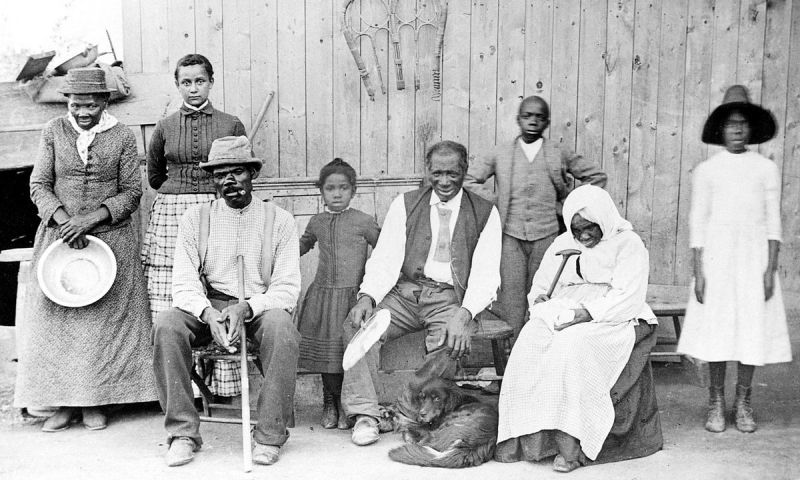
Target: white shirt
{"x": 384, "y": 266}
{"x": 531, "y": 149}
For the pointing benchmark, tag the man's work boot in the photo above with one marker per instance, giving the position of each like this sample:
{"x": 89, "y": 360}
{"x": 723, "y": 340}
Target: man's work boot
{"x": 266, "y": 454}
{"x": 181, "y": 451}
{"x": 744, "y": 412}
{"x": 365, "y": 431}
{"x": 715, "y": 421}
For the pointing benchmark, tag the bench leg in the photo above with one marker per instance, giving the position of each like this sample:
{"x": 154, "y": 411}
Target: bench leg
{"x": 676, "y": 321}
{"x": 500, "y": 358}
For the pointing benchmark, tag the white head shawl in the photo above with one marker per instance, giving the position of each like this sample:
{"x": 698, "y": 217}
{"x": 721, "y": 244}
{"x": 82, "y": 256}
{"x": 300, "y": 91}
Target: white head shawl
{"x": 595, "y": 204}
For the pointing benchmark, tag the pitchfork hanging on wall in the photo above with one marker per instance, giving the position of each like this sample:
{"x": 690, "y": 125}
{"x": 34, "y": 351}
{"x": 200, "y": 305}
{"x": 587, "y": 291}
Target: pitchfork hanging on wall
{"x": 392, "y": 25}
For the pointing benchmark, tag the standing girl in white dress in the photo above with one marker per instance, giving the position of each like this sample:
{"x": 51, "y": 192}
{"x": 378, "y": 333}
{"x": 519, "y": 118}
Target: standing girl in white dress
{"x": 736, "y": 311}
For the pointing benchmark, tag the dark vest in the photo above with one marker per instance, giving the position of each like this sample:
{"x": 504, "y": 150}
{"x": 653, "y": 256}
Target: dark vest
{"x": 472, "y": 217}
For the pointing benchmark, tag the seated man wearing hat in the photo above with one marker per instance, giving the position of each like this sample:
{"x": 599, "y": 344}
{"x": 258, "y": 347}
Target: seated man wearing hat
{"x": 436, "y": 265}
{"x": 205, "y": 305}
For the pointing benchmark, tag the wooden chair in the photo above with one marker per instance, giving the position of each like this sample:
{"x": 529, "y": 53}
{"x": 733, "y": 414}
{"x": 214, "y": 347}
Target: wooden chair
{"x": 499, "y": 333}
{"x": 203, "y": 360}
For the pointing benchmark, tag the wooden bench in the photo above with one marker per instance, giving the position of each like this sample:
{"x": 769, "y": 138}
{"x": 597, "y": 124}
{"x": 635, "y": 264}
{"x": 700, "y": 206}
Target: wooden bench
{"x": 667, "y": 301}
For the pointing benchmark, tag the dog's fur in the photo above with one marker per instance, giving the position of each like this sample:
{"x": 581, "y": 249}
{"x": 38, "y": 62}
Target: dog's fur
{"x": 444, "y": 427}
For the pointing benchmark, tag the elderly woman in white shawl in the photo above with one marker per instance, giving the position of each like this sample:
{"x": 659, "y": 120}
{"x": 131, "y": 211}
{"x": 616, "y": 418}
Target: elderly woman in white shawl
{"x": 578, "y": 384}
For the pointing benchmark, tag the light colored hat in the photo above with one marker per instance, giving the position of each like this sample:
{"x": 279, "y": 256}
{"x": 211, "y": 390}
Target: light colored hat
{"x": 761, "y": 121}
{"x": 76, "y": 278}
{"x": 227, "y": 151}
{"x": 85, "y": 80}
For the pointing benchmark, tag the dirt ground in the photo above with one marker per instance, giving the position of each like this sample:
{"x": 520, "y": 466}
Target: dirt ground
{"x": 132, "y": 447}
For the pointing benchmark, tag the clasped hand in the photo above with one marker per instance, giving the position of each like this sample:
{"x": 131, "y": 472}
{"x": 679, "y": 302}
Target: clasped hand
{"x": 225, "y": 325}
{"x": 74, "y": 230}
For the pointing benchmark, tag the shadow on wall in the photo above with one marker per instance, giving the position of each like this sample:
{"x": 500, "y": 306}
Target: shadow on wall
{"x": 18, "y": 222}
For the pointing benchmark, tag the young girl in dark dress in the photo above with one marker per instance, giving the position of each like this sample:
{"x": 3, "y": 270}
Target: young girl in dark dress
{"x": 343, "y": 235}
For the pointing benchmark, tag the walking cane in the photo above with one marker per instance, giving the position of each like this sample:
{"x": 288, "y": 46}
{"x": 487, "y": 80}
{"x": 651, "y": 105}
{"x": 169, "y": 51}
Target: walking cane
{"x": 247, "y": 453}
{"x": 565, "y": 254}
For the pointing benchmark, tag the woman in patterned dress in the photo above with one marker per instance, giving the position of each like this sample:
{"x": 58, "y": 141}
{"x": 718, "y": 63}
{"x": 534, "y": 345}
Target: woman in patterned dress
{"x": 86, "y": 181}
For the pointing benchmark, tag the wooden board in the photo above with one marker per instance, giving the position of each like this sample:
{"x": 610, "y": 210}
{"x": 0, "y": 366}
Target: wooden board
{"x": 236, "y": 51}
{"x": 291, "y": 103}
{"x": 591, "y": 81}
{"x": 374, "y": 112}
{"x": 208, "y": 28}
{"x": 401, "y": 140}
{"x": 319, "y": 88}
{"x": 263, "y": 80}
{"x": 538, "y": 48}
{"x": 346, "y": 99}
{"x": 644, "y": 119}
{"x": 790, "y": 195}
{"x": 564, "y": 94}
{"x": 616, "y": 135}
{"x": 180, "y": 31}
{"x": 697, "y": 79}
{"x": 511, "y": 45}
{"x": 666, "y": 178}
{"x": 455, "y": 73}
{"x": 483, "y": 83}
{"x": 427, "y": 110}
{"x": 132, "y": 35}
{"x": 750, "y": 58}
{"x": 775, "y": 72}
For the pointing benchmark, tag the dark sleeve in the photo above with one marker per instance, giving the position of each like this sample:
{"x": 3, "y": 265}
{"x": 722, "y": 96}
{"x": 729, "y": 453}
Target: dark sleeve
{"x": 583, "y": 169}
{"x": 156, "y": 163}
{"x": 371, "y": 231}
{"x": 479, "y": 172}
{"x": 308, "y": 239}
{"x": 238, "y": 128}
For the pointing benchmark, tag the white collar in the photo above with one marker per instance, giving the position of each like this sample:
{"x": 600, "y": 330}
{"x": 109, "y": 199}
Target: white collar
{"x": 196, "y": 109}
{"x": 452, "y": 203}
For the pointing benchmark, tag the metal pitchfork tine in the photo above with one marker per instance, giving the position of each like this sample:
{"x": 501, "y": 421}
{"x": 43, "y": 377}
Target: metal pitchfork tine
{"x": 565, "y": 254}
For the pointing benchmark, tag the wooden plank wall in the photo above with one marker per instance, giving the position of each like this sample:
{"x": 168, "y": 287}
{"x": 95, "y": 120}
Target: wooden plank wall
{"x": 630, "y": 83}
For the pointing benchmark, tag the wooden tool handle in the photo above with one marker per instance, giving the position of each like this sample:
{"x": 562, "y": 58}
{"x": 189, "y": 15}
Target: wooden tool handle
{"x": 247, "y": 453}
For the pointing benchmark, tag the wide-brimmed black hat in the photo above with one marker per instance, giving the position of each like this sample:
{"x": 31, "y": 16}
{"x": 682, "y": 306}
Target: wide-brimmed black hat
{"x": 737, "y": 98}
{"x": 85, "y": 80}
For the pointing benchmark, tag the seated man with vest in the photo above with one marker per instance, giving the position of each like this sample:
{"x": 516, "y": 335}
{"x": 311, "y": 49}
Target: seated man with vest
{"x": 205, "y": 306}
{"x": 435, "y": 267}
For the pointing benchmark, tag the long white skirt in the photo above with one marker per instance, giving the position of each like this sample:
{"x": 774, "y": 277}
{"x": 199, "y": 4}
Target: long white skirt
{"x": 734, "y": 322}
{"x": 562, "y": 380}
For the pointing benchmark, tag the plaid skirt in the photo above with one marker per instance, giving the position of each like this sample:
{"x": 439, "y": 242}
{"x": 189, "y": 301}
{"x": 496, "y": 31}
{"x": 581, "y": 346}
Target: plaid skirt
{"x": 157, "y": 258}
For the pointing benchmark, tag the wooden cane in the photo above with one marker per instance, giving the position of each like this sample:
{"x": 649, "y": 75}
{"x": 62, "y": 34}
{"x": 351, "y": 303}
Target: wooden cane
{"x": 565, "y": 254}
{"x": 260, "y": 117}
{"x": 247, "y": 453}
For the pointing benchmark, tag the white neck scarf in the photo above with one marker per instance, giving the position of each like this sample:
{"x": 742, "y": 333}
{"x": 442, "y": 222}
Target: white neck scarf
{"x": 86, "y": 137}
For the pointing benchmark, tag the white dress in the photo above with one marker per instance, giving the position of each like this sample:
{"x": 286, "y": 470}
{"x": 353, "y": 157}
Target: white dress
{"x": 735, "y": 211}
{"x": 562, "y": 380}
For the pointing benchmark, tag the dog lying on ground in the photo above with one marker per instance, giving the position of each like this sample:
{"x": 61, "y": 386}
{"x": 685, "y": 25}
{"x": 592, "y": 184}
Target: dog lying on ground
{"x": 444, "y": 427}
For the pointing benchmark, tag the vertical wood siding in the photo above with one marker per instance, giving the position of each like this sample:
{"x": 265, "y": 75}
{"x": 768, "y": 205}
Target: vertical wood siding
{"x": 630, "y": 83}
